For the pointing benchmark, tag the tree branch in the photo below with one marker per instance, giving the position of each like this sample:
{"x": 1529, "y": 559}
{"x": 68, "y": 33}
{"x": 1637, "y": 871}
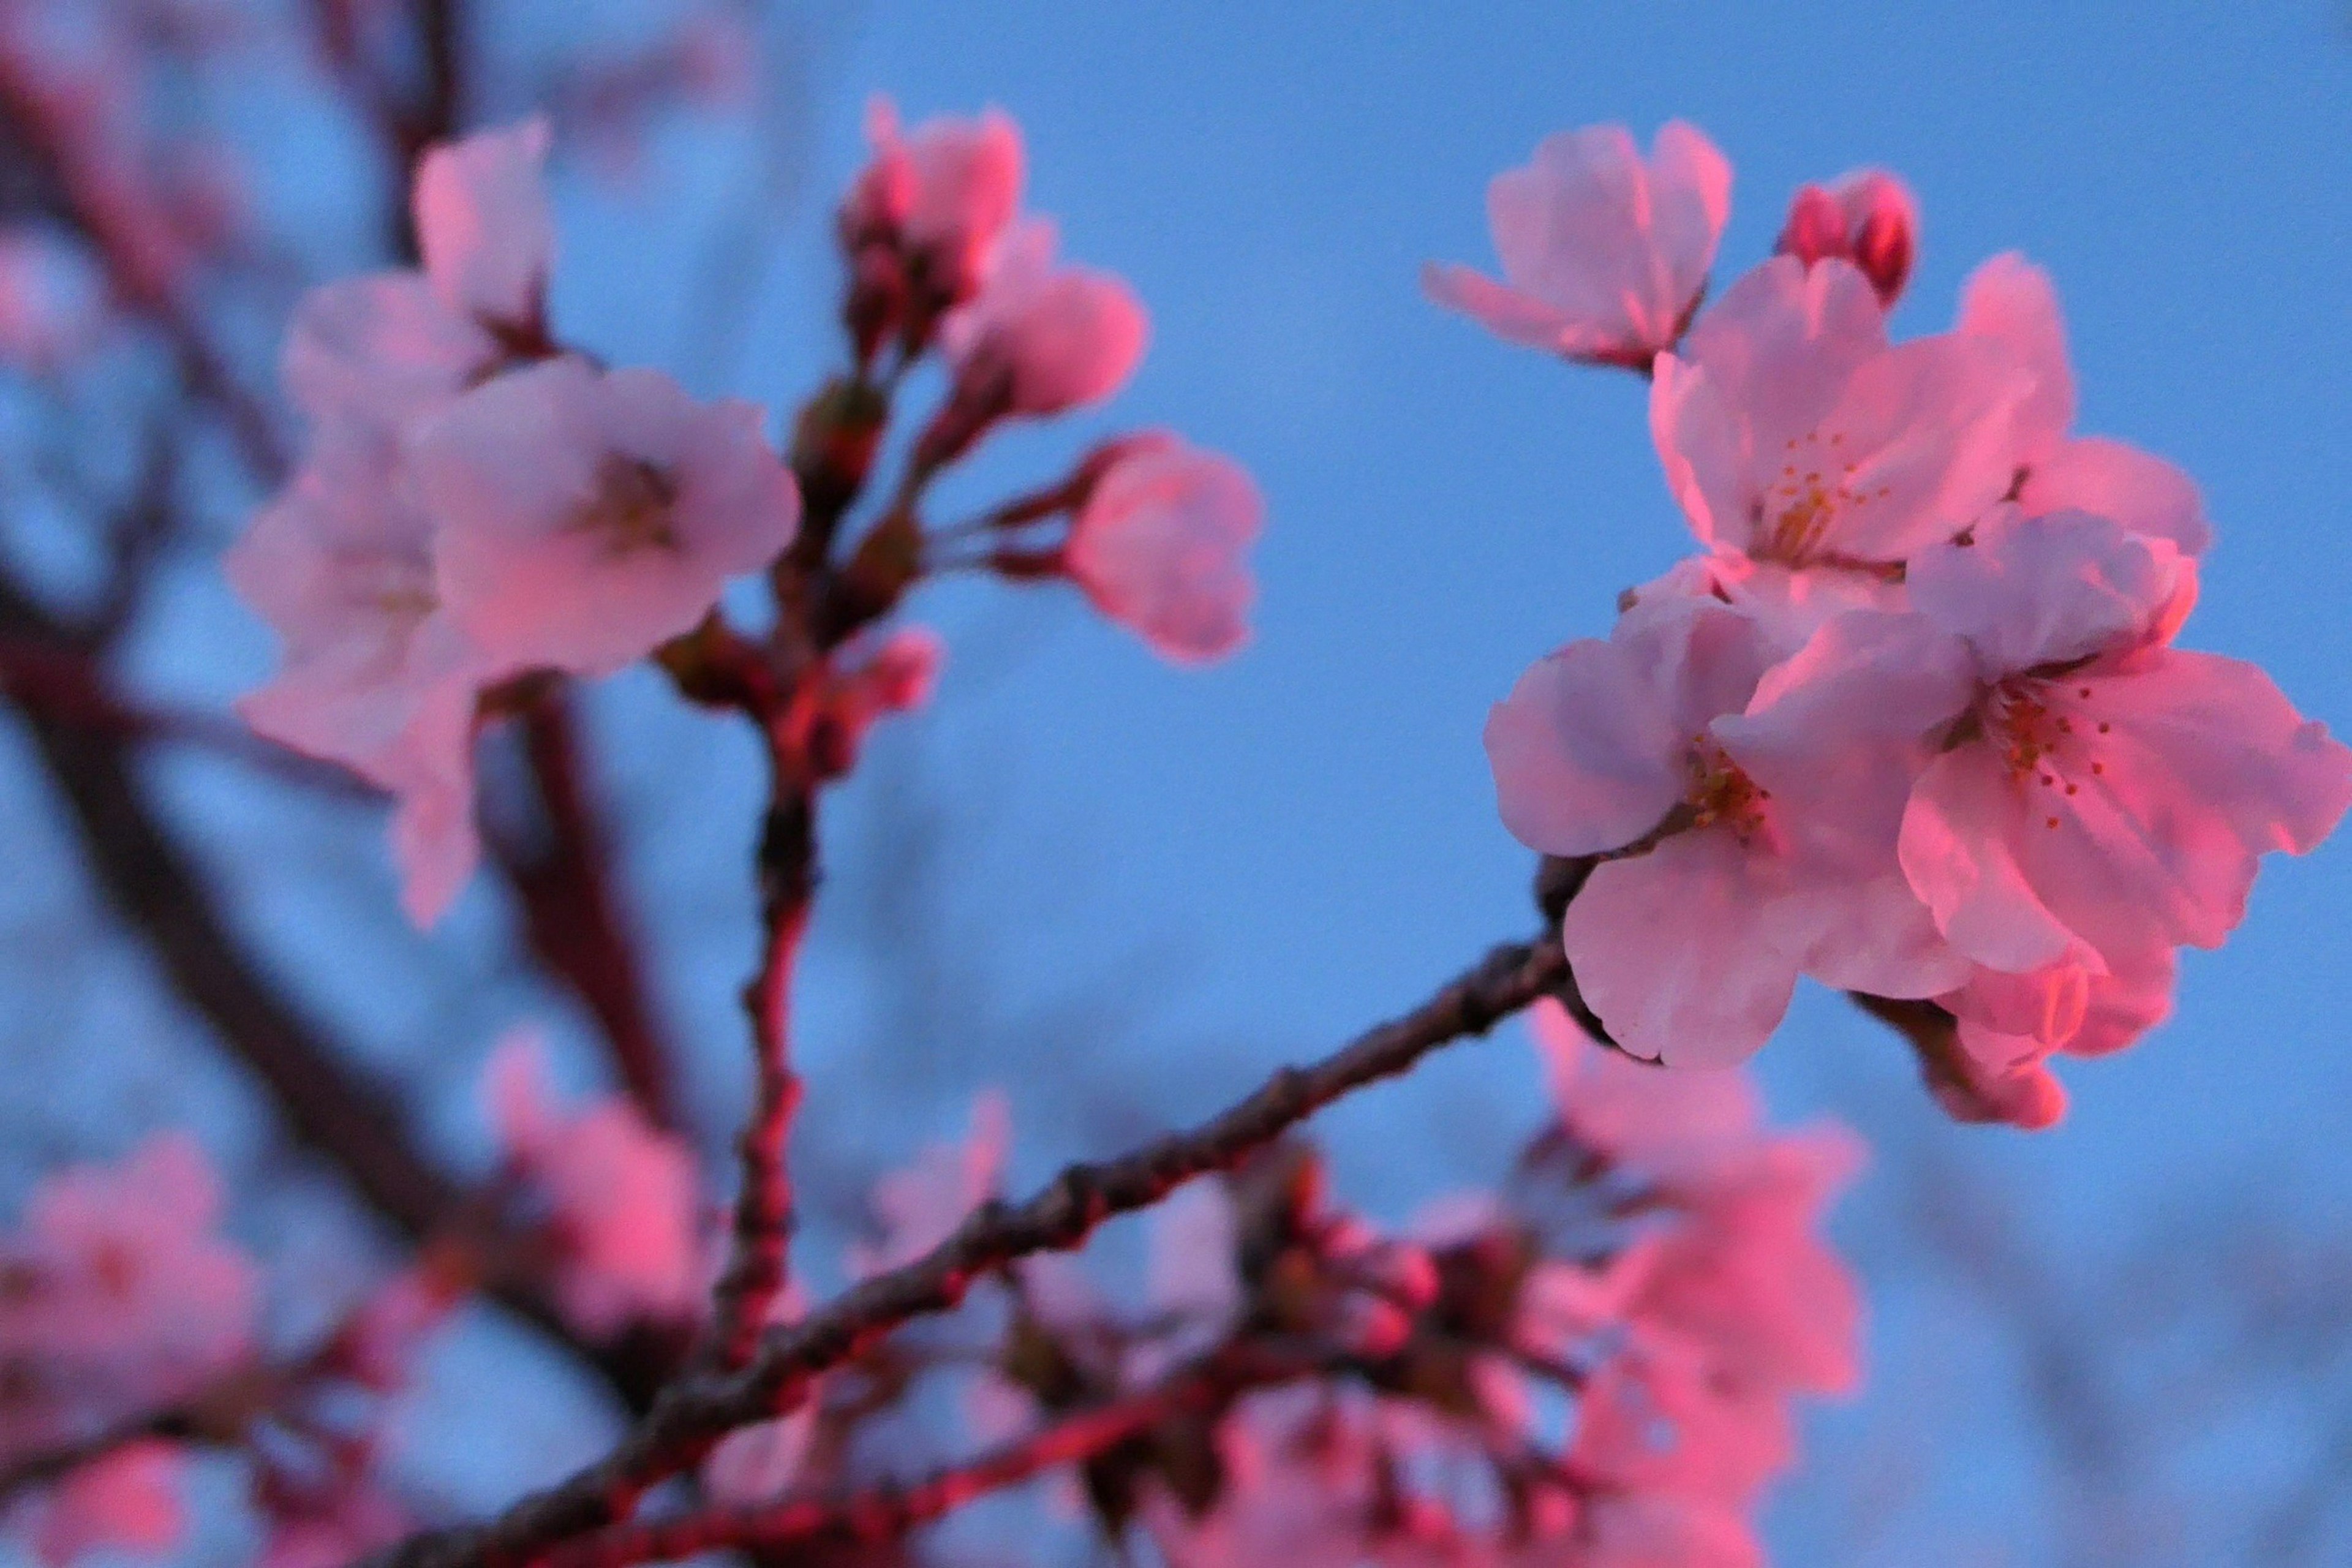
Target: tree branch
{"x": 573, "y": 923}
{"x": 886, "y": 1512}
{"x": 763, "y": 1205}
{"x": 694, "y": 1413}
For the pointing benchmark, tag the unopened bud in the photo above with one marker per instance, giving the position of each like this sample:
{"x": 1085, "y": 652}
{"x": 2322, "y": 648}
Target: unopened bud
{"x": 1866, "y": 218}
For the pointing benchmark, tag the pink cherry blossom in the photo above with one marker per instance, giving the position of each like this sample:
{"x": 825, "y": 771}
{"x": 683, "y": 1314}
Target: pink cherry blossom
{"x": 1651, "y": 1530}
{"x": 1159, "y": 545}
{"x": 919, "y": 1207}
{"x": 126, "y": 1500}
{"x": 1041, "y": 338}
{"x": 943, "y": 193}
{"x": 758, "y": 1463}
{"x": 583, "y": 517}
{"x": 619, "y": 1196}
{"x": 2102, "y": 790}
{"x": 1711, "y": 900}
{"x": 375, "y": 676}
{"x": 484, "y": 226}
{"x": 1637, "y": 1115}
{"x": 120, "y": 1297}
{"x": 1793, "y": 430}
{"x": 1606, "y": 254}
{"x": 2009, "y": 301}
{"x": 1867, "y": 218}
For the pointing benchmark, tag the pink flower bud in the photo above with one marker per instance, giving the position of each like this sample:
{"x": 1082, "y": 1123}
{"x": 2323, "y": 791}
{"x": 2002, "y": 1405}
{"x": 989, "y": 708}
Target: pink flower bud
{"x": 1867, "y": 218}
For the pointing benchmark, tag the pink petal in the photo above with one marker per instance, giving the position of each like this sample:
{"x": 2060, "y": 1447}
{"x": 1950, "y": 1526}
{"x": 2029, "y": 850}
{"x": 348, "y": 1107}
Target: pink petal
{"x": 483, "y": 223}
{"x": 2111, "y": 479}
{"x": 2009, "y": 301}
{"x": 1680, "y": 951}
{"x": 2029, "y": 592}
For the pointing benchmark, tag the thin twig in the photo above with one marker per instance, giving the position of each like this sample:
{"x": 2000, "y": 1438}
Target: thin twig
{"x": 694, "y": 1413}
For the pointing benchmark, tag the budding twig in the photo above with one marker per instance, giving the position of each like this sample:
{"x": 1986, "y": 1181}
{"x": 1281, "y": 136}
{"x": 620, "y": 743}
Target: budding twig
{"x": 695, "y": 1412}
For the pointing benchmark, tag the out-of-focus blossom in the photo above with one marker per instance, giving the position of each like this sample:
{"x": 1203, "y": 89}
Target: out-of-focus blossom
{"x": 1792, "y": 431}
{"x": 128, "y": 1499}
{"x": 484, "y": 226}
{"x": 1605, "y": 253}
{"x": 919, "y": 1207}
{"x": 1041, "y": 338}
{"x": 1160, "y": 545}
{"x": 330, "y": 1524}
{"x": 583, "y": 517}
{"x": 867, "y": 680}
{"x": 1867, "y": 218}
{"x": 1711, "y": 898}
{"x": 619, "y": 1197}
{"x": 2010, "y": 302}
{"x": 761, "y": 1462}
{"x": 118, "y": 1297}
{"x": 939, "y": 197}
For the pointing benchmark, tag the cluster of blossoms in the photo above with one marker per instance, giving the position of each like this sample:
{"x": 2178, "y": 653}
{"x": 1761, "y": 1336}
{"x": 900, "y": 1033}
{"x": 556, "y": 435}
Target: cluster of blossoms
{"x": 131, "y": 1338}
{"x": 481, "y": 509}
{"x": 1914, "y": 723}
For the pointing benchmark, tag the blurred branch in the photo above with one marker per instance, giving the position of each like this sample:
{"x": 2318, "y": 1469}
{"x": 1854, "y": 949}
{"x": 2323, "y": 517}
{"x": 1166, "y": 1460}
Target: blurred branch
{"x": 693, "y": 1414}
{"x": 153, "y": 883}
{"x": 561, "y": 868}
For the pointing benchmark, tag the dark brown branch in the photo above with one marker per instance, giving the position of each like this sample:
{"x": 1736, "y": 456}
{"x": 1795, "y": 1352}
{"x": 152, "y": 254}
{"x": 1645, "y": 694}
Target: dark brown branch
{"x": 694, "y": 1413}
{"x": 151, "y": 881}
{"x": 561, "y": 868}
{"x": 886, "y": 1512}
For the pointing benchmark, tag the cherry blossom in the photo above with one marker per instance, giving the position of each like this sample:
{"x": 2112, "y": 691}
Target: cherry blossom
{"x": 1159, "y": 545}
{"x": 484, "y": 226}
{"x": 942, "y": 194}
{"x": 1041, "y": 338}
{"x": 2102, "y": 790}
{"x": 121, "y": 1298}
{"x": 1605, "y": 253}
{"x": 1793, "y": 431}
{"x": 128, "y": 1499}
{"x": 1867, "y": 218}
{"x": 1711, "y": 897}
{"x": 583, "y": 517}
{"x": 919, "y": 1207}
{"x": 619, "y": 1196}
{"x": 2009, "y": 301}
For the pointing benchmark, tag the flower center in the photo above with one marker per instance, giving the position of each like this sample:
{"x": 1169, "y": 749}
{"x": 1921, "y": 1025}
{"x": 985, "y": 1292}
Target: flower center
{"x": 632, "y": 508}
{"x": 1814, "y": 488}
{"x": 2043, "y": 734}
{"x": 1720, "y": 790}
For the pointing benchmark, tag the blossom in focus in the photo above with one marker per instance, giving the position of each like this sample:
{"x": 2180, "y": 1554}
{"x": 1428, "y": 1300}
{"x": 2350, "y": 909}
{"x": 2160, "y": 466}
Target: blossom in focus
{"x": 1791, "y": 429}
{"x": 619, "y": 1196}
{"x": 939, "y": 197}
{"x": 1711, "y": 897}
{"x": 1160, "y": 545}
{"x": 1041, "y": 338}
{"x": 1605, "y": 253}
{"x": 919, "y": 1207}
{"x": 120, "y": 1296}
{"x": 2009, "y": 301}
{"x": 1867, "y": 218}
{"x": 583, "y": 517}
{"x": 2103, "y": 791}
{"x": 127, "y": 1499}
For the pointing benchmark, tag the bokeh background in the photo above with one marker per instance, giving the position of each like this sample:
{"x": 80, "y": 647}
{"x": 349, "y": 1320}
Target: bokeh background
{"x": 1123, "y": 891}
